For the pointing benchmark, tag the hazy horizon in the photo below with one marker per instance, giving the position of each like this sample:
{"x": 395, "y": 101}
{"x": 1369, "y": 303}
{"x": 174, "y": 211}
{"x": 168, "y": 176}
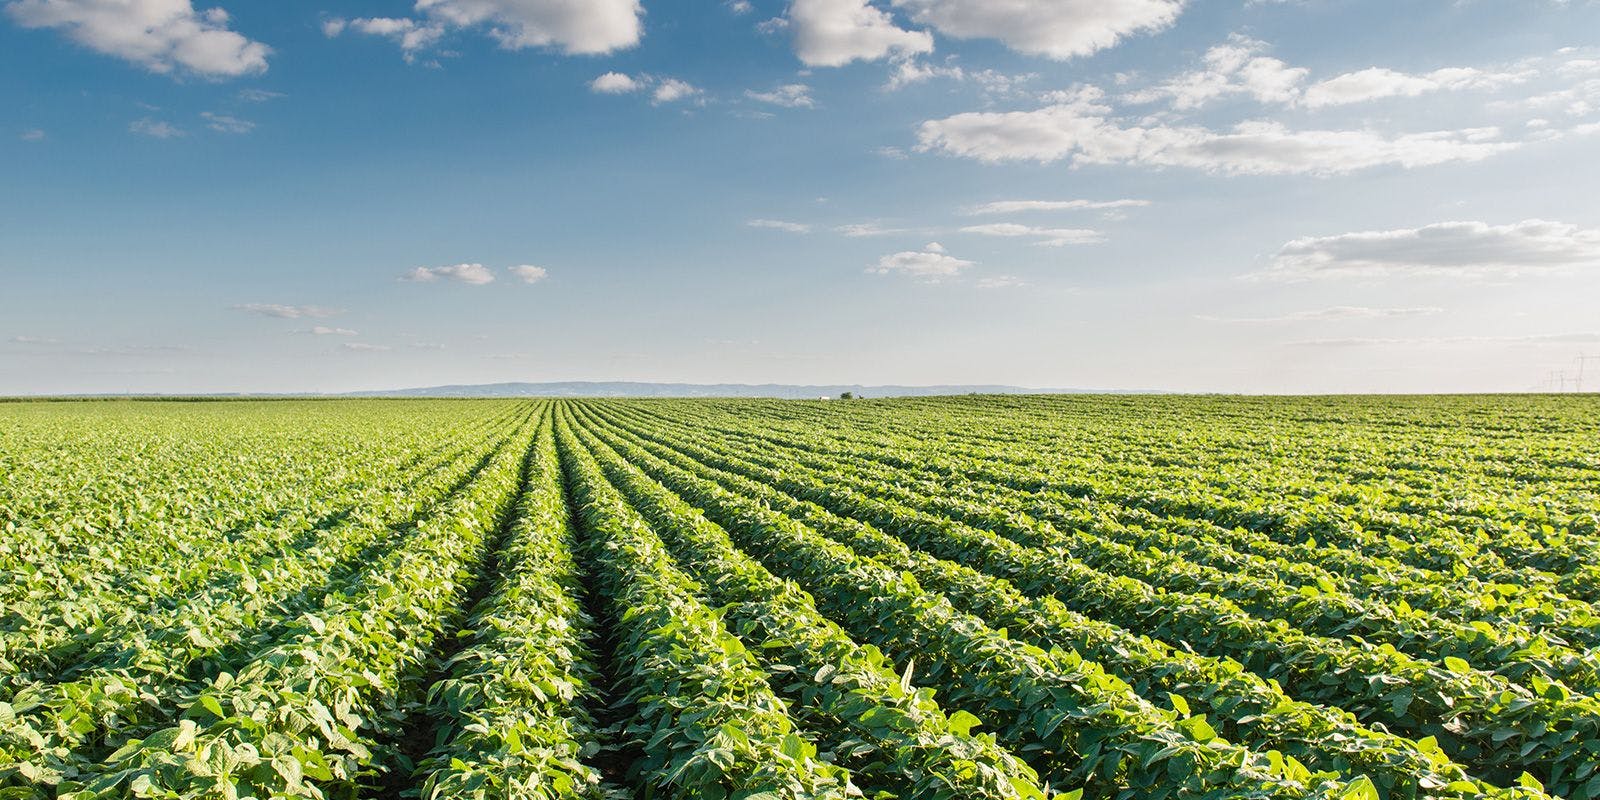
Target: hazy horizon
{"x": 1251, "y": 196}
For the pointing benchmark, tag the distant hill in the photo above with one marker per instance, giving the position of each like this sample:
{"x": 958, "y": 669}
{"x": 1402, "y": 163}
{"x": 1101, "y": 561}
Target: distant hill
{"x": 637, "y": 389}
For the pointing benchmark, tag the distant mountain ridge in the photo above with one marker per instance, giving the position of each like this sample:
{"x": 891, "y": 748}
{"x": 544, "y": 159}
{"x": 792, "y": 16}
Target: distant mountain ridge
{"x": 643, "y": 389}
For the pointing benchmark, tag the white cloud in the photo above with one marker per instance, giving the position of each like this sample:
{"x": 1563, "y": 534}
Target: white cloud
{"x": 857, "y": 230}
{"x": 1578, "y": 100}
{"x": 1233, "y": 68}
{"x": 832, "y": 33}
{"x": 1333, "y": 313}
{"x": 739, "y": 6}
{"x": 324, "y": 330}
{"x": 667, "y": 90}
{"x": 1000, "y": 282}
{"x": 671, "y": 90}
{"x": 1376, "y": 82}
{"x": 1015, "y": 206}
{"x": 163, "y": 36}
{"x": 1057, "y": 29}
{"x": 615, "y": 83}
{"x": 791, "y": 95}
{"x": 286, "y": 312}
{"x": 37, "y": 340}
{"x": 474, "y": 274}
{"x": 931, "y": 264}
{"x": 780, "y": 225}
{"x": 1081, "y": 129}
{"x": 571, "y": 26}
{"x": 1446, "y": 248}
{"x": 32, "y": 135}
{"x": 1049, "y": 237}
{"x": 156, "y": 129}
{"x": 412, "y": 36}
{"x": 363, "y": 347}
{"x": 1577, "y": 337}
{"x": 527, "y": 273}
{"x": 259, "y": 95}
{"x": 911, "y": 70}
{"x": 225, "y": 123}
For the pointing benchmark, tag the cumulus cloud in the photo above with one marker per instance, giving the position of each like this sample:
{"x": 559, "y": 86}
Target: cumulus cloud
{"x": 1049, "y": 237}
{"x": 669, "y": 90}
{"x": 1446, "y": 248}
{"x": 570, "y": 26}
{"x": 1015, "y": 206}
{"x": 615, "y": 83}
{"x": 286, "y": 312}
{"x": 832, "y": 33}
{"x": 666, "y": 90}
{"x": 1333, "y": 313}
{"x": 225, "y": 123}
{"x": 411, "y": 35}
{"x": 1378, "y": 82}
{"x": 474, "y": 274}
{"x": 931, "y": 264}
{"x": 1233, "y": 68}
{"x": 792, "y": 95}
{"x": 156, "y": 129}
{"x": 780, "y": 225}
{"x": 1082, "y": 129}
{"x": 163, "y": 36}
{"x": 1058, "y": 29}
{"x": 527, "y": 273}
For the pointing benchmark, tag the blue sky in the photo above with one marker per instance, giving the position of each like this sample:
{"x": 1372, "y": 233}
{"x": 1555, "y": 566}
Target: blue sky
{"x": 1218, "y": 195}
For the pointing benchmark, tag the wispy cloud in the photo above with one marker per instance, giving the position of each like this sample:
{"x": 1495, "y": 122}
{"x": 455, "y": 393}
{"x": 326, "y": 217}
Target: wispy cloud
{"x": 259, "y": 95}
{"x": 1049, "y": 237}
{"x": 286, "y": 311}
{"x": 1016, "y": 206}
{"x": 156, "y": 129}
{"x": 1534, "y": 339}
{"x": 1445, "y": 248}
{"x": 225, "y": 123}
{"x": 363, "y": 347}
{"x": 856, "y": 230}
{"x": 1000, "y": 282}
{"x": 1083, "y": 130}
{"x": 779, "y": 225}
{"x": 1333, "y": 313}
{"x": 792, "y": 95}
{"x": 324, "y": 330}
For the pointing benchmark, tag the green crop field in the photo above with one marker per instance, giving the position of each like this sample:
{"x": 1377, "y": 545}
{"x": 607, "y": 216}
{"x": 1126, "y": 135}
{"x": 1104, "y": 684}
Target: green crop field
{"x": 961, "y": 597}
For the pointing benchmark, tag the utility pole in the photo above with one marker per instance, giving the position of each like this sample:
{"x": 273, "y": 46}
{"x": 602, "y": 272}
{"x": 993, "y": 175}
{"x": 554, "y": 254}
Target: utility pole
{"x": 1582, "y": 359}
